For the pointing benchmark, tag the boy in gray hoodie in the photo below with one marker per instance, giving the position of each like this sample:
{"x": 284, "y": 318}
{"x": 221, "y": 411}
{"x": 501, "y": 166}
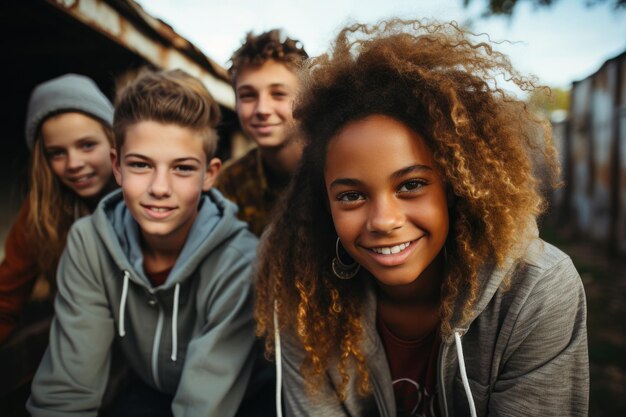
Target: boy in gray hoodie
{"x": 162, "y": 266}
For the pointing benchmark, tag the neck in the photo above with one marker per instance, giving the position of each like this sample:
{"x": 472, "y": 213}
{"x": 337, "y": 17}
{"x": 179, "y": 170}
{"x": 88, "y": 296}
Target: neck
{"x": 424, "y": 291}
{"x": 411, "y": 311}
{"x": 282, "y": 161}
{"x": 92, "y": 202}
{"x": 160, "y": 254}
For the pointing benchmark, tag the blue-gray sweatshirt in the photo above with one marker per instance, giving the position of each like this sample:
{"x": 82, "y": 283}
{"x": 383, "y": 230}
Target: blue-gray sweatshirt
{"x": 191, "y": 337}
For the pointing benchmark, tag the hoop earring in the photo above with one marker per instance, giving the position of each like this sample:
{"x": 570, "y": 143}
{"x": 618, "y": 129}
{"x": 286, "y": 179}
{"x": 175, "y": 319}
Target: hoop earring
{"x": 341, "y": 270}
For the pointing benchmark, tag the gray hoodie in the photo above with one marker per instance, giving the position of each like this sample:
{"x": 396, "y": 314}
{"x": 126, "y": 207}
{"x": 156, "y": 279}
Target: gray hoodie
{"x": 191, "y": 337}
{"x": 525, "y": 350}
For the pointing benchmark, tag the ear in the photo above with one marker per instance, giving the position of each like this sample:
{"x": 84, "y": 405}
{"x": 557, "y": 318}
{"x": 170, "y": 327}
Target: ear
{"x": 212, "y": 169}
{"x": 115, "y": 164}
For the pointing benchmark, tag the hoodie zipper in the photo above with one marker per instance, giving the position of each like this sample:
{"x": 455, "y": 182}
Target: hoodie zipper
{"x": 155, "y": 348}
{"x": 442, "y": 385}
{"x": 380, "y": 401}
{"x": 157, "y": 331}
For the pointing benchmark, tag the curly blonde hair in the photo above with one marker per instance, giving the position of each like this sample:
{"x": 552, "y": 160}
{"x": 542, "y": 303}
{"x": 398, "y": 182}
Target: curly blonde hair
{"x": 438, "y": 80}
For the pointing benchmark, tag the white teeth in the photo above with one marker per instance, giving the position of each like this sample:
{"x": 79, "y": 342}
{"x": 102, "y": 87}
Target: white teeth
{"x": 388, "y": 250}
{"x": 159, "y": 209}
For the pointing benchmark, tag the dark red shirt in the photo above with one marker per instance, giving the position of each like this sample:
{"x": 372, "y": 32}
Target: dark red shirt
{"x": 413, "y": 366}
{"x": 158, "y": 278}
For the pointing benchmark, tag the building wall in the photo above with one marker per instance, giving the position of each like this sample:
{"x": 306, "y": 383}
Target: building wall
{"x": 596, "y": 154}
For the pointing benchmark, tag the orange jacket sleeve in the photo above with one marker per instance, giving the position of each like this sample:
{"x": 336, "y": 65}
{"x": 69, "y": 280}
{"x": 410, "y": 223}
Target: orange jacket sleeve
{"x": 18, "y": 273}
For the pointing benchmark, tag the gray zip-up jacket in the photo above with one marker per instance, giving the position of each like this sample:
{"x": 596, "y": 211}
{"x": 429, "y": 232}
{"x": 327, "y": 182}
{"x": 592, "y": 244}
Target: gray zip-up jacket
{"x": 525, "y": 351}
{"x": 191, "y": 337}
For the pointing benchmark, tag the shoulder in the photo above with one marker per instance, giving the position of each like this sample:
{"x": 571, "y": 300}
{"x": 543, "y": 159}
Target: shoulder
{"x": 226, "y": 272}
{"x": 84, "y": 242}
{"x": 19, "y": 234}
{"x": 547, "y": 268}
{"x": 229, "y": 244}
{"x": 240, "y": 246}
{"x": 545, "y": 292}
{"x": 241, "y": 166}
{"x": 81, "y": 229}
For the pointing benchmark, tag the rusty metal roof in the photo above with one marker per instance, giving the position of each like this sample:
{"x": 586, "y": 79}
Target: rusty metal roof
{"x": 128, "y": 24}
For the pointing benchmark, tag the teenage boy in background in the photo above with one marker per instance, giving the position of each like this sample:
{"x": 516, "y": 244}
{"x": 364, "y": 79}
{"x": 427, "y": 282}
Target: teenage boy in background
{"x": 163, "y": 265}
{"x": 263, "y": 74}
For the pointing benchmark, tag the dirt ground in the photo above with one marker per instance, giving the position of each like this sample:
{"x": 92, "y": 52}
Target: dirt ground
{"x": 604, "y": 278}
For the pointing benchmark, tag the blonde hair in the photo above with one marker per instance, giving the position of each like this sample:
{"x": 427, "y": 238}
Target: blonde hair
{"x": 52, "y": 208}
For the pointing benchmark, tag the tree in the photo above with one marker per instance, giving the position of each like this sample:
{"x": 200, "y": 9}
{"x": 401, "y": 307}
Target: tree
{"x": 549, "y": 101}
{"x": 506, "y": 7}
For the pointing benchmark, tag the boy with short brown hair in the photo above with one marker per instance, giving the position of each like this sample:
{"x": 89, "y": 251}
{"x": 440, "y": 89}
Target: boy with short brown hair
{"x": 163, "y": 267}
{"x": 263, "y": 74}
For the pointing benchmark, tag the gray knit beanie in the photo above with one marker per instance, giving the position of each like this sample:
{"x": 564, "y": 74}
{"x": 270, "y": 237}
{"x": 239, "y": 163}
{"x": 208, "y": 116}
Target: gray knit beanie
{"x": 69, "y": 92}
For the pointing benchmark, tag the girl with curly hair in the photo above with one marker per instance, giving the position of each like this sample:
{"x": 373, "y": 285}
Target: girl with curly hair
{"x": 404, "y": 274}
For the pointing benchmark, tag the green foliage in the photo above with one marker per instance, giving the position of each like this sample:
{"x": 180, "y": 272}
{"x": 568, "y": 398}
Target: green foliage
{"x": 506, "y": 7}
{"x": 548, "y": 100}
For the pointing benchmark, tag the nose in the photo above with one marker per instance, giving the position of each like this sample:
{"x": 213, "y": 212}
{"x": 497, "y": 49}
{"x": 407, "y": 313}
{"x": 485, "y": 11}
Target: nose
{"x": 385, "y": 215}
{"x": 75, "y": 162}
{"x": 263, "y": 105}
{"x": 160, "y": 185}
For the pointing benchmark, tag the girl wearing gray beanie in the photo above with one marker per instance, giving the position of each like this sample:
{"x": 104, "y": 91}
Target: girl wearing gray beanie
{"x": 68, "y": 130}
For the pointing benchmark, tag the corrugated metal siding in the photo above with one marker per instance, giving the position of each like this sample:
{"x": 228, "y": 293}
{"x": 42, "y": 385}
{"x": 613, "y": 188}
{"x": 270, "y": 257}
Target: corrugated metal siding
{"x": 601, "y": 116}
{"x": 580, "y": 118}
{"x": 620, "y": 226}
{"x": 597, "y": 161}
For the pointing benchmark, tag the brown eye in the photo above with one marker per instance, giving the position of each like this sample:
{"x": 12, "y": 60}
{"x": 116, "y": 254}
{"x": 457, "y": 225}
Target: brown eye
{"x": 411, "y": 185}
{"x": 54, "y": 154}
{"x": 349, "y": 196}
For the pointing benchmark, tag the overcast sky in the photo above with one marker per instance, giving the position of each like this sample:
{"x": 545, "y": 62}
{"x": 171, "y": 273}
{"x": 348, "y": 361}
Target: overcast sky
{"x": 560, "y": 44}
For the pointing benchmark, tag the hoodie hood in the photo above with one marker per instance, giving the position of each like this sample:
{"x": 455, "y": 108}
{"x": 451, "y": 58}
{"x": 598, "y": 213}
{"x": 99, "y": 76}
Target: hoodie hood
{"x": 492, "y": 277}
{"x": 121, "y": 235}
{"x": 194, "y": 331}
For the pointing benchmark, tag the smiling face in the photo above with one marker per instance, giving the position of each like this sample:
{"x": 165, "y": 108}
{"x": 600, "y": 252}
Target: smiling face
{"x": 78, "y": 150}
{"x": 163, "y": 169}
{"x": 387, "y": 198}
{"x": 264, "y": 103}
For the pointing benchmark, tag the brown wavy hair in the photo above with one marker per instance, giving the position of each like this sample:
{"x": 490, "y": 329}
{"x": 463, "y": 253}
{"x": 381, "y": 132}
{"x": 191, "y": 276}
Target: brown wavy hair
{"x": 258, "y": 49}
{"x": 444, "y": 84}
{"x": 53, "y": 207}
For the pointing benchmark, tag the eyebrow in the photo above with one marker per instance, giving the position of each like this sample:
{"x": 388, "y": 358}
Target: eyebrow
{"x": 79, "y": 141}
{"x": 251, "y": 87}
{"x": 398, "y": 174}
{"x": 411, "y": 169}
{"x": 177, "y": 160}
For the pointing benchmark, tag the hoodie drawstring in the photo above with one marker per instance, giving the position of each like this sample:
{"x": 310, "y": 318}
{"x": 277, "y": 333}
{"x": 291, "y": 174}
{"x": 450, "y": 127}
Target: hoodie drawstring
{"x": 468, "y": 391}
{"x": 279, "y": 364}
{"x": 175, "y": 322}
{"x": 279, "y": 370}
{"x": 122, "y": 330}
{"x": 124, "y": 297}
